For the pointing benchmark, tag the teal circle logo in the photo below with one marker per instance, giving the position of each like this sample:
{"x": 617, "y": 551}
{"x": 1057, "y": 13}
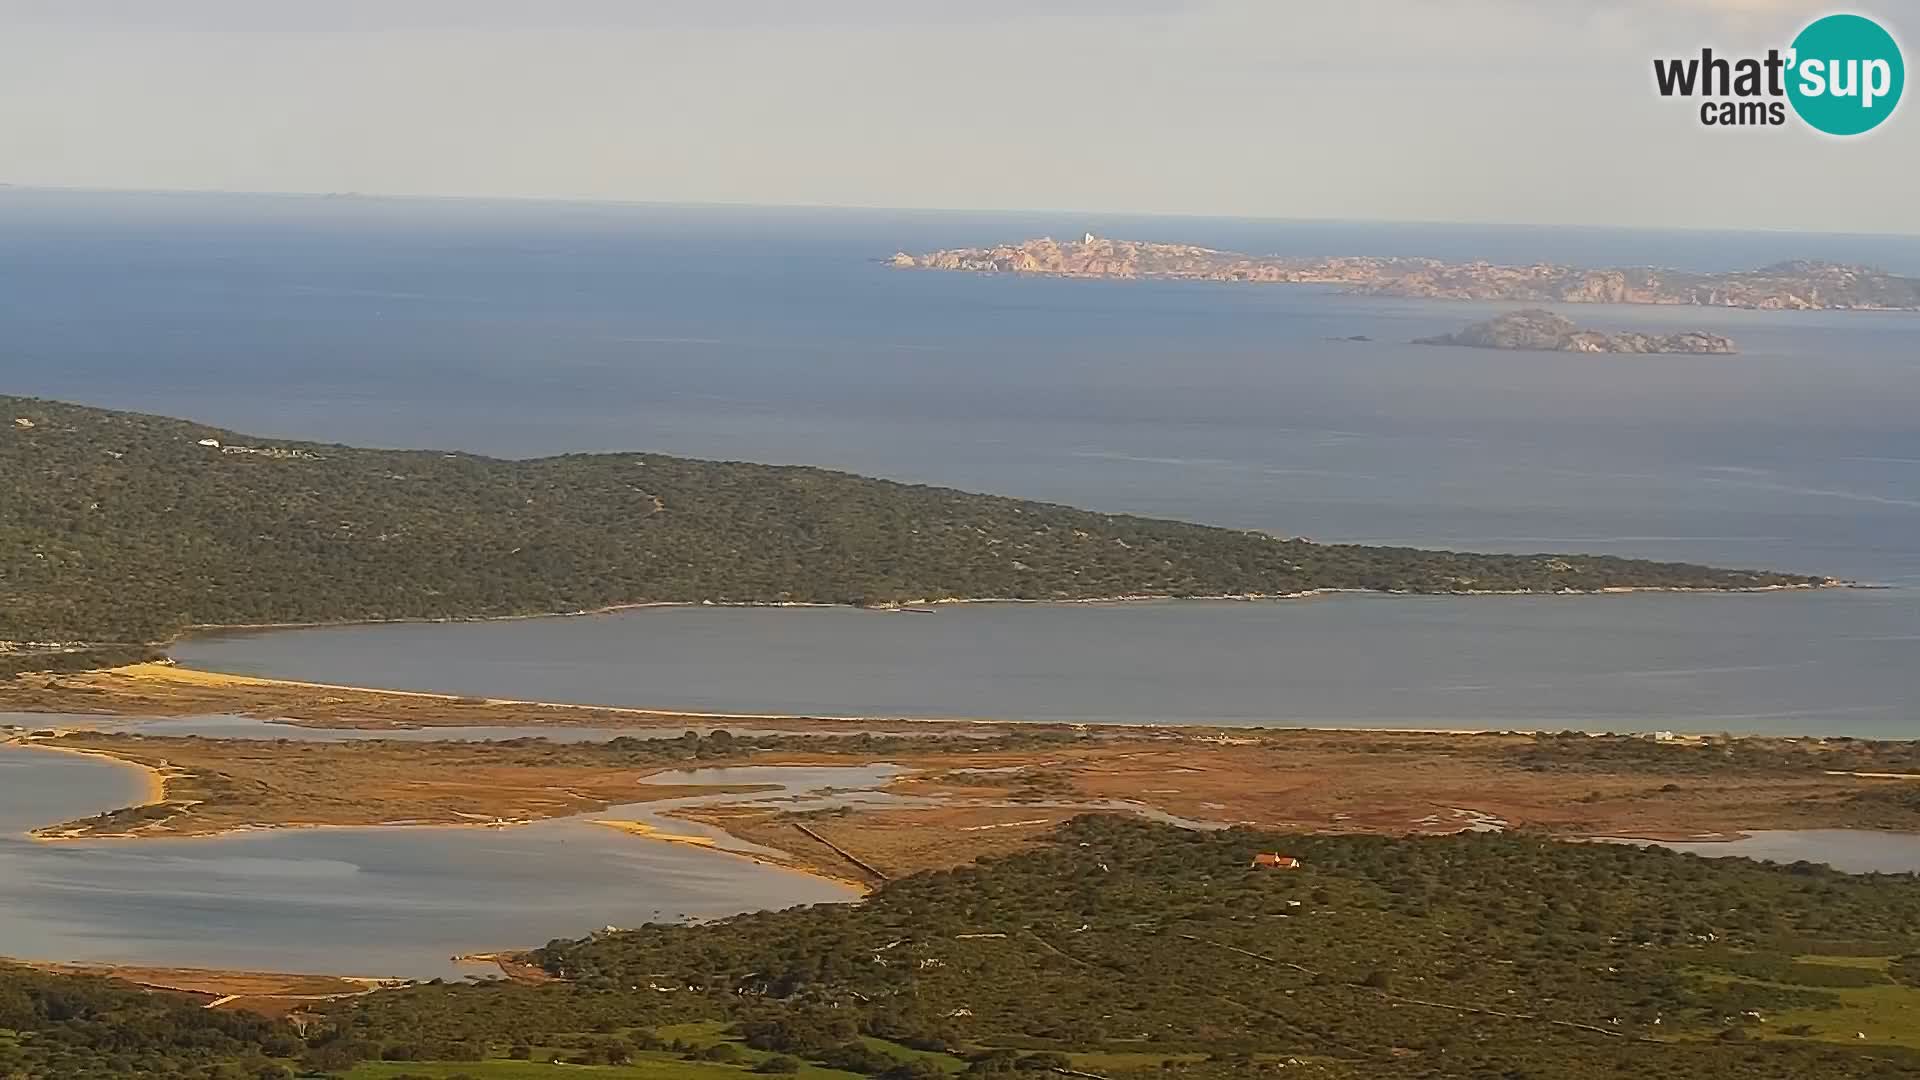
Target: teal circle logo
{"x": 1846, "y": 74}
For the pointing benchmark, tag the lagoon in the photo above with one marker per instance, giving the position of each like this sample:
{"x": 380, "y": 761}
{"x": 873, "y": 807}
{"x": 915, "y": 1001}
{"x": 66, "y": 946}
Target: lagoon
{"x": 1812, "y": 663}
{"x": 387, "y": 902}
{"x": 1854, "y": 851}
{"x": 402, "y": 901}
{"x": 224, "y": 726}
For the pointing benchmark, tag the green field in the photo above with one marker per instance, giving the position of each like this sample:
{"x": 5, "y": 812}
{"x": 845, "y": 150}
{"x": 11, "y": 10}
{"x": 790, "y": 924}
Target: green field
{"x": 646, "y": 1067}
{"x": 525, "y": 1070}
{"x": 698, "y": 1036}
{"x": 1888, "y": 1013}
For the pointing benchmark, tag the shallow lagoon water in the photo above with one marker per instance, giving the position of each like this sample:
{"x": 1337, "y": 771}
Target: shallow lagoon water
{"x": 224, "y": 726}
{"x": 1856, "y": 851}
{"x": 1828, "y": 662}
{"x": 388, "y": 901}
{"x": 376, "y": 902}
{"x": 403, "y": 901}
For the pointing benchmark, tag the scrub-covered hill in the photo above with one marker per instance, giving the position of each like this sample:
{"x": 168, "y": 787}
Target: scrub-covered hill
{"x": 122, "y": 527}
{"x": 1129, "y": 950}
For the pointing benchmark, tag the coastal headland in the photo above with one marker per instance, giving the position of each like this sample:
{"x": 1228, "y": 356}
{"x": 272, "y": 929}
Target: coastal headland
{"x": 133, "y": 529}
{"x": 1798, "y": 285}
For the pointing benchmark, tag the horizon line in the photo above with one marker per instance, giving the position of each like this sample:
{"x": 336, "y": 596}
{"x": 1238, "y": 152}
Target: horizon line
{"x": 564, "y": 200}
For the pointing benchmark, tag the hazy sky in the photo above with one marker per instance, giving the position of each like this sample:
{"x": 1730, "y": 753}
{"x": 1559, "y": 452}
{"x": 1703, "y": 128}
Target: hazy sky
{"x": 1493, "y": 110}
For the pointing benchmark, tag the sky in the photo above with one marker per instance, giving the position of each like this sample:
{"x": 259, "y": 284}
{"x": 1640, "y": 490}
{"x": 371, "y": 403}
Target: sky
{"x": 1434, "y": 110}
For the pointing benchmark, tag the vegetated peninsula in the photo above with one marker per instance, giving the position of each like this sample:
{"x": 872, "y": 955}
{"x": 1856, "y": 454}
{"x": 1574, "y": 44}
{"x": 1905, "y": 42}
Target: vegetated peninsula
{"x": 1800, "y": 285}
{"x": 126, "y": 528}
{"x": 1540, "y": 330}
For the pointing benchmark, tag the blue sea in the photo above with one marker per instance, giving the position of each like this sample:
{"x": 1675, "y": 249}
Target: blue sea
{"x": 778, "y": 335}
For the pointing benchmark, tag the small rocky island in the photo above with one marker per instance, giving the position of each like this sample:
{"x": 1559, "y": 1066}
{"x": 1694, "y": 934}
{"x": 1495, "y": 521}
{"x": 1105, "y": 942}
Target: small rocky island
{"x": 1540, "y": 330}
{"x": 1799, "y": 285}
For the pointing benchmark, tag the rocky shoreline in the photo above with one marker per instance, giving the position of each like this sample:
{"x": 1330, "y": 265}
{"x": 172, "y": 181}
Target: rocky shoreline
{"x": 1539, "y": 330}
{"x": 1800, "y": 285}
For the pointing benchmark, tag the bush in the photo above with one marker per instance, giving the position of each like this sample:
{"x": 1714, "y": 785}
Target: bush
{"x": 917, "y": 1069}
{"x": 856, "y": 1057}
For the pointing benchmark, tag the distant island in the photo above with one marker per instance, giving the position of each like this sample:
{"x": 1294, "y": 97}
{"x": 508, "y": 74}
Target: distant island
{"x": 1542, "y": 330}
{"x": 1797, "y": 286}
{"x": 123, "y": 529}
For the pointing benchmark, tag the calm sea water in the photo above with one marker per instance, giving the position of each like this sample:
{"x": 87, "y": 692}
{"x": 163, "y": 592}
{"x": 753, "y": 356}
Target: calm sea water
{"x": 771, "y": 335}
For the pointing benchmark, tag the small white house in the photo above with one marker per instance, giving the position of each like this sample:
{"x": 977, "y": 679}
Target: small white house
{"x": 215, "y": 443}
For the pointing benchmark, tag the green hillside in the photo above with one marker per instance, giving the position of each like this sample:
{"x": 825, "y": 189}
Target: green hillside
{"x": 121, "y": 527}
{"x": 1138, "y": 951}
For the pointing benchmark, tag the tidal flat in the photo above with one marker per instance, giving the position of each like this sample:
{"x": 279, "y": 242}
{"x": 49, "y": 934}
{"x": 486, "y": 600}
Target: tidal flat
{"x": 376, "y": 902}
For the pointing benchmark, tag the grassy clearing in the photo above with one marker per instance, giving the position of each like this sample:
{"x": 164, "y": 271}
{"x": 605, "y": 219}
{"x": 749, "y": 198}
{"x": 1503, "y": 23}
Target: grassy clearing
{"x": 946, "y": 1062}
{"x": 1886, "y": 1014}
{"x": 702, "y": 1033}
{"x": 645, "y": 1066}
{"x": 527, "y": 1070}
{"x": 708, "y": 1033}
{"x": 1869, "y": 963}
{"x": 1122, "y": 1062}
